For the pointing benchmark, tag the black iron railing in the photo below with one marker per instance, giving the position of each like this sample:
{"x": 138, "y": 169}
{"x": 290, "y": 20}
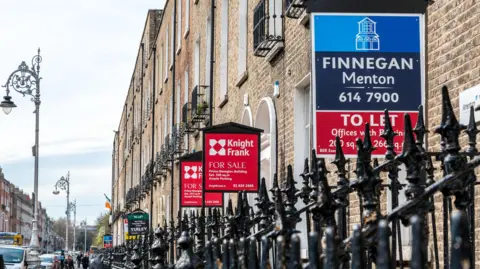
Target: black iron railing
{"x": 267, "y": 237}
{"x": 199, "y": 106}
{"x": 267, "y": 27}
{"x": 295, "y": 8}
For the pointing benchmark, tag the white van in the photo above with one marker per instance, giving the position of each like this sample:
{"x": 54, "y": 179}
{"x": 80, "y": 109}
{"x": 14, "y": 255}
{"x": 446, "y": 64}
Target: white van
{"x": 14, "y": 257}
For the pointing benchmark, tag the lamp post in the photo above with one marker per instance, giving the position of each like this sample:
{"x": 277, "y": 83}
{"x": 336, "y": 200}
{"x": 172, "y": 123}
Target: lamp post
{"x": 83, "y": 224}
{"x": 26, "y": 81}
{"x": 73, "y": 208}
{"x": 64, "y": 184}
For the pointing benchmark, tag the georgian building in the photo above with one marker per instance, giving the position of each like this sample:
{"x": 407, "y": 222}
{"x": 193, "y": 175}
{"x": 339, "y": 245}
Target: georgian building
{"x": 199, "y": 65}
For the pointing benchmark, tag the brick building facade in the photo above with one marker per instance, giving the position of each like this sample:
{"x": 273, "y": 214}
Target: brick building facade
{"x": 260, "y": 78}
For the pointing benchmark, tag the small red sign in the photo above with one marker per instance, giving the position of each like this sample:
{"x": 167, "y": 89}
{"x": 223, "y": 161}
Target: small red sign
{"x": 351, "y": 125}
{"x": 191, "y": 187}
{"x": 231, "y": 162}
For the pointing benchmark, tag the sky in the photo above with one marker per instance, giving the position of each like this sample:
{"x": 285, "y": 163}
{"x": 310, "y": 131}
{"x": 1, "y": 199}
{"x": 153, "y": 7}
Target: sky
{"x": 89, "y": 49}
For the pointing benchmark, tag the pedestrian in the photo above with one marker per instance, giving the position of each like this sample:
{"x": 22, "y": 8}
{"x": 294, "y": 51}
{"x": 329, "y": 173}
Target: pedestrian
{"x": 85, "y": 261}
{"x": 79, "y": 259}
{"x": 62, "y": 260}
{"x": 70, "y": 262}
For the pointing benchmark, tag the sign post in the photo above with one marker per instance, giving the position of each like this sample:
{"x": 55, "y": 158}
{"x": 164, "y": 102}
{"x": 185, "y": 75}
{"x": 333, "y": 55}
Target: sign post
{"x": 107, "y": 241}
{"x": 231, "y": 158}
{"x": 138, "y": 223}
{"x": 191, "y": 183}
{"x": 364, "y": 63}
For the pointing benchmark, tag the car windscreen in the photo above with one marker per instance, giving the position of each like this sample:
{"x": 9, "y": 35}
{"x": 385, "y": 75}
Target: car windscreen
{"x": 12, "y": 255}
{"x": 47, "y": 259}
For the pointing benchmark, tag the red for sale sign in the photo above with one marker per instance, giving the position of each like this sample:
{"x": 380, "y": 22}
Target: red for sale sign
{"x": 231, "y": 162}
{"x": 351, "y": 125}
{"x": 191, "y": 187}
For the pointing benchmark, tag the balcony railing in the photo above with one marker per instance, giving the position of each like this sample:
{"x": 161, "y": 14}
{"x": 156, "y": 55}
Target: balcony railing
{"x": 187, "y": 125}
{"x": 199, "y": 106}
{"x": 159, "y": 171}
{"x": 164, "y": 157}
{"x": 177, "y": 140}
{"x": 295, "y": 8}
{"x": 267, "y": 27}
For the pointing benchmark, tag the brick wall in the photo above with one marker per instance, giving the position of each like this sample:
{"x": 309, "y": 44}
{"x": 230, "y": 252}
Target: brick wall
{"x": 453, "y": 57}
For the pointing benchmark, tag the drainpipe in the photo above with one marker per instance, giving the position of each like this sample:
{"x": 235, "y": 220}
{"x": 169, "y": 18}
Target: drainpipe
{"x": 142, "y": 46}
{"x": 153, "y": 129}
{"x": 212, "y": 60}
{"x": 133, "y": 142}
{"x": 173, "y": 105}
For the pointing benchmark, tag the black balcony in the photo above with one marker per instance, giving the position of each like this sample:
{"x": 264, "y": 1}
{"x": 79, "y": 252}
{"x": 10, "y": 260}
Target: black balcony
{"x": 265, "y": 32}
{"x": 176, "y": 140}
{"x": 187, "y": 126}
{"x": 199, "y": 106}
{"x": 295, "y": 8}
{"x": 158, "y": 171}
{"x": 164, "y": 158}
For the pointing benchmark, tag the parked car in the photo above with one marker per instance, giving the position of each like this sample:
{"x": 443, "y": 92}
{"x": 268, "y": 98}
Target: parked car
{"x": 14, "y": 257}
{"x": 49, "y": 261}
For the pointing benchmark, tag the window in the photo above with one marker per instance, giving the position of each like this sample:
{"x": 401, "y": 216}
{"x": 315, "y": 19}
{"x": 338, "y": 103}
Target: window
{"x": 242, "y": 41}
{"x": 302, "y": 134}
{"x": 258, "y": 24}
{"x": 172, "y": 36}
{"x": 223, "y": 53}
{"x": 178, "y": 102}
{"x": 268, "y": 28}
{"x": 166, "y": 55}
{"x": 171, "y": 114}
{"x": 168, "y": 208}
{"x": 187, "y": 18}
{"x": 185, "y": 101}
{"x": 208, "y": 49}
{"x": 165, "y": 122}
{"x": 197, "y": 62}
{"x": 179, "y": 26}
{"x": 160, "y": 67}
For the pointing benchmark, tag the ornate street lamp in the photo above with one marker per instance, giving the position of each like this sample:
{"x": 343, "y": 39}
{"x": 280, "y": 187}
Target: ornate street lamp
{"x": 26, "y": 81}
{"x": 64, "y": 184}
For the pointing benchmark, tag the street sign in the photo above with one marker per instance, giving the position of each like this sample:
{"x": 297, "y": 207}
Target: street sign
{"x": 107, "y": 241}
{"x": 231, "y": 158}
{"x": 364, "y": 64}
{"x": 468, "y": 98}
{"x": 191, "y": 183}
{"x": 138, "y": 223}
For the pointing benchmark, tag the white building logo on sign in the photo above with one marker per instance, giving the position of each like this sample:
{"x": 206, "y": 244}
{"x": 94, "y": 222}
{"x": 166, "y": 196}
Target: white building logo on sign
{"x": 367, "y": 37}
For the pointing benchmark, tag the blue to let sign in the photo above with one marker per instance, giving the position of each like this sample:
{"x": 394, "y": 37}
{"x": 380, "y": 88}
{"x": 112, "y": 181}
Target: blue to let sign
{"x": 362, "y": 65}
{"x": 107, "y": 241}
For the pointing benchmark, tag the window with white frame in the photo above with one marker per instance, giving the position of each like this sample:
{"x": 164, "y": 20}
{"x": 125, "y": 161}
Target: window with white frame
{"x": 165, "y": 123}
{"x": 179, "y": 25}
{"x": 166, "y": 54}
{"x": 167, "y": 204}
{"x": 223, "y": 52}
{"x": 170, "y": 118}
{"x": 197, "y": 62}
{"x": 172, "y": 40}
{"x": 302, "y": 141}
{"x": 208, "y": 49}
{"x": 242, "y": 40}
{"x": 178, "y": 102}
{"x": 185, "y": 101}
{"x": 160, "y": 67}
{"x": 187, "y": 18}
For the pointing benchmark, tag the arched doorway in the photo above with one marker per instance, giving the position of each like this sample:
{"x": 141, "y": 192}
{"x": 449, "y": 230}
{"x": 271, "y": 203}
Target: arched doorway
{"x": 265, "y": 119}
